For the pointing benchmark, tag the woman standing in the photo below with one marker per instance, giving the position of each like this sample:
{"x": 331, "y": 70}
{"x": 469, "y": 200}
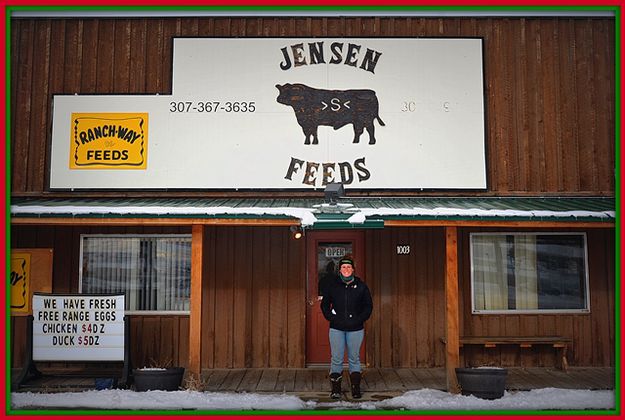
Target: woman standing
{"x": 347, "y": 305}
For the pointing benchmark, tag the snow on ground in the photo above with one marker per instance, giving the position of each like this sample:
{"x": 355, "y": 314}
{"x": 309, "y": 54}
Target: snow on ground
{"x": 423, "y": 399}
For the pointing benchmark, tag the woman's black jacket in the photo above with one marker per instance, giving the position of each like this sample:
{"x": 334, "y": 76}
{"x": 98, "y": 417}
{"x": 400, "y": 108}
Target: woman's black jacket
{"x": 346, "y": 306}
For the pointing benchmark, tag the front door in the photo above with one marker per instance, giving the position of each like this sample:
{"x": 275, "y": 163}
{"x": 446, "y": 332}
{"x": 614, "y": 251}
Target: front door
{"x": 324, "y": 250}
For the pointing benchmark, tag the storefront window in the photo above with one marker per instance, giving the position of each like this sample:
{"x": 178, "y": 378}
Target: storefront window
{"x": 529, "y": 272}
{"x": 153, "y": 271}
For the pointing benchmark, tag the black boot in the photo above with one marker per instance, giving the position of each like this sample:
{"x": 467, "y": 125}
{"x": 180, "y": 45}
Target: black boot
{"x": 335, "y": 380}
{"x": 354, "y": 378}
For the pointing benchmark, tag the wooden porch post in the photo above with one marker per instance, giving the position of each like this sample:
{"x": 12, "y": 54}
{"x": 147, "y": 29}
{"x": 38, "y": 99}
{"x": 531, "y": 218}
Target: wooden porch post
{"x": 195, "y": 318}
{"x": 452, "y": 335}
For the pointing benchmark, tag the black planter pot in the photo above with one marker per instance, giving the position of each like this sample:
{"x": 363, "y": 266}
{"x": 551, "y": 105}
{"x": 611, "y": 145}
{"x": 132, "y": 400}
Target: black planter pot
{"x": 487, "y": 383}
{"x": 168, "y": 379}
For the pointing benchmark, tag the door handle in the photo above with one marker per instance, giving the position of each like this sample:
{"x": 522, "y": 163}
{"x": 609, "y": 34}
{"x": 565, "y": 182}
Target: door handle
{"x": 311, "y": 302}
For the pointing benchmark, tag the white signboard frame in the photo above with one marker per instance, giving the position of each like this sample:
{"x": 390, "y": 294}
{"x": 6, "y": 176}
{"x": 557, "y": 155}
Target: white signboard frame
{"x": 78, "y": 327}
{"x": 291, "y": 113}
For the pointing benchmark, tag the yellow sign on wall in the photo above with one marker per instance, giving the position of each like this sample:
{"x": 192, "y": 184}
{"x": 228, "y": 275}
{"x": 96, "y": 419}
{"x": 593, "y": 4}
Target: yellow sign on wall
{"x": 109, "y": 140}
{"x": 20, "y": 282}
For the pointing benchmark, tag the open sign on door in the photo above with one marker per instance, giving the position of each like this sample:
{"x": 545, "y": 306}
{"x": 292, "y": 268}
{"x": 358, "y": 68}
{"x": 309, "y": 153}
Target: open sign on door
{"x": 335, "y": 252}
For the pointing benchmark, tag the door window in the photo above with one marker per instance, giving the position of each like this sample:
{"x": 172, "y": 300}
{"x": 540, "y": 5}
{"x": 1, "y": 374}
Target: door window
{"x": 328, "y": 257}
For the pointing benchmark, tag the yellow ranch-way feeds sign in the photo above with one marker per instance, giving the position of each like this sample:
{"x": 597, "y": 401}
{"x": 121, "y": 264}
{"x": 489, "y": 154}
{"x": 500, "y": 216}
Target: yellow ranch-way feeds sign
{"x": 20, "y": 282}
{"x": 109, "y": 141}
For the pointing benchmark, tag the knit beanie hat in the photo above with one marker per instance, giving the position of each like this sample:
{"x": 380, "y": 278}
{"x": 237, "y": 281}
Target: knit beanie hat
{"x": 346, "y": 260}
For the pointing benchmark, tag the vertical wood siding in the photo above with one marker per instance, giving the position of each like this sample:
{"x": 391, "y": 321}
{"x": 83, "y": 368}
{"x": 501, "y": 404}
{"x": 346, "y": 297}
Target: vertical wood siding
{"x": 409, "y": 306}
{"x": 253, "y": 312}
{"x": 254, "y": 302}
{"x": 549, "y": 84}
{"x": 592, "y": 333}
{"x": 153, "y": 337}
{"x": 409, "y": 297}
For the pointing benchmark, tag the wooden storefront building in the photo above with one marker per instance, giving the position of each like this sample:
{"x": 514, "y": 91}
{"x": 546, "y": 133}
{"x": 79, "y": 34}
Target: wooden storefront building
{"x": 249, "y": 290}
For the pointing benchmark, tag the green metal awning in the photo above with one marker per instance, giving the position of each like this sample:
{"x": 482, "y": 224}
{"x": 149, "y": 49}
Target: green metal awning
{"x": 348, "y": 212}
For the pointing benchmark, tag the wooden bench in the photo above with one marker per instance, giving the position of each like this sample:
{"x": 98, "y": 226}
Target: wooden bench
{"x": 557, "y": 342}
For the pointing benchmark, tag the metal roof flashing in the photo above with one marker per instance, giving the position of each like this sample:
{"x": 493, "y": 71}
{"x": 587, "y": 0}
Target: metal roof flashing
{"x": 350, "y": 212}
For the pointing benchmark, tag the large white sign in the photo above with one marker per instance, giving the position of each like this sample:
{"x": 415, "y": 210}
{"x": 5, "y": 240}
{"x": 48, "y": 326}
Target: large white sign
{"x": 78, "y": 327}
{"x": 286, "y": 114}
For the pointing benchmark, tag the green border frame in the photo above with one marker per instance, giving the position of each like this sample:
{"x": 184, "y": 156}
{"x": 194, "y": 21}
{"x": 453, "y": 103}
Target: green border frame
{"x": 328, "y": 9}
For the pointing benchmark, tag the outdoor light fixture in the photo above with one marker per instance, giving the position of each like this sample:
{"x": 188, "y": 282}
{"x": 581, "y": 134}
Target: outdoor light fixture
{"x": 333, "y": 191}
{"x": 297, "y": 232}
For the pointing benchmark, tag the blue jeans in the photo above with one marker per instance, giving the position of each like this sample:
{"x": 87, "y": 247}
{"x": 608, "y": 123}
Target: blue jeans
{"x": 338, "y": 340}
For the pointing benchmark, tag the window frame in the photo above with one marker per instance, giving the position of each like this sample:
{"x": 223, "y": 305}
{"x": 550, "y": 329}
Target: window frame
{"x": 130, "y": 235}
{"x": 585, "y": 310}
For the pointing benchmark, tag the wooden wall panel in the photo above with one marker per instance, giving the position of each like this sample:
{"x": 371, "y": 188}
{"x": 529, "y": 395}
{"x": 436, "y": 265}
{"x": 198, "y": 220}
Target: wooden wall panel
{"x": 409, "y": 307}
{"x": 104, "y": 58}
{"x": 372, "y": 331}
{"x": 535, "y": 108}
{"x": 385, "y": 292}
{"x": 154, "y": 56}
{"x": 405, "y": 317}
{"x": 604, "y": 70}
{"x": 159, "y": 339}
{"x": 277, "y": 301}
{"x": 587, "y": 106}
{"x": 242, "y": 299}
{"x": 90, "y": 68}
{"x": 420, "y": 289}
{"x": 295, "y": 266}
{"x": 568, "y": 111}
{"x": 260, "y": 318}
{"x": 153, "y": 337}
{"x": 408, "y": 295}
{"x": 122, "y": 57}
{"x": 18, "y": 340}
{"x": 257, "y": 317}
{"x": 181, "y": 341}
{"x": 549, "y": 84}
{"x": 138, "y": 57}
{"x": 253, "y": 311}
{"x": 602, "y": 296}
{"x": 592, "y": 333}
{"x": 21, "y": 105}
{"x": 39, "y": 107}
{"x": 207, "y": 352}
{"x": 224, "y": 298}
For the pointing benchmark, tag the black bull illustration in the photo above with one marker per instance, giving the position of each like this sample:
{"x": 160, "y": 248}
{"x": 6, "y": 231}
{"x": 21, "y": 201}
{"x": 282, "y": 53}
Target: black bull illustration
{"x": 335, "y": 108}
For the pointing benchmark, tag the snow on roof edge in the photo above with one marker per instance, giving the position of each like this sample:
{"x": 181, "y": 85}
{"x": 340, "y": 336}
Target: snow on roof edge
{"x": 362, "y": 214}
{"x": 305, "y": 215}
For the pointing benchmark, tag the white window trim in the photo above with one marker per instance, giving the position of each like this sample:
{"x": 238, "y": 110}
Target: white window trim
{"x": 130, "y": 235}
{"x": 530, "y": 311}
